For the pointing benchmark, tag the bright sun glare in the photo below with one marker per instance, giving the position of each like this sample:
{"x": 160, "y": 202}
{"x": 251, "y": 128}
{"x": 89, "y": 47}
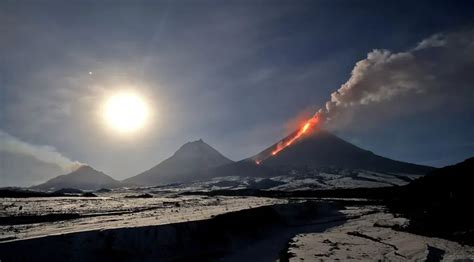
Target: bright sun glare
{"x": 126, "y": 112}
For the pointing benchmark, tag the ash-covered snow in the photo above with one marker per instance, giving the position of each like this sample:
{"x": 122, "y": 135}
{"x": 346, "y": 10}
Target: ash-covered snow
{"x": 300, "y": 180}
{"x": 371, "y": 238}
{"x": 112, "y": 210}
{"x": 321, "y": 229}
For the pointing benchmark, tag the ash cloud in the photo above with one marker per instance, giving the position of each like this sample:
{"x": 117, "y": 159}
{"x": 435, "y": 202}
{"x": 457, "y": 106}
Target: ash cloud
{"x": 46, "y": 154}
{"x": 433, "y": 73}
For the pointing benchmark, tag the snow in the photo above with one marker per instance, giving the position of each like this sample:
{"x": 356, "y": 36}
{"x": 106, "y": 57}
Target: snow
{"x": 114, "y": 210}
{"x": 339, "y": 178}
{"x": 371, "y": 238}
{"x": 322, "y": 229}
{"x": 316, "y": 179}
{"x": 306, "y": 179}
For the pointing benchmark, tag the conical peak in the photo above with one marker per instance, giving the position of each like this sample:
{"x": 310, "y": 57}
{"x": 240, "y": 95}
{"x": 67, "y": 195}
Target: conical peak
{"x": 84, "y": 168}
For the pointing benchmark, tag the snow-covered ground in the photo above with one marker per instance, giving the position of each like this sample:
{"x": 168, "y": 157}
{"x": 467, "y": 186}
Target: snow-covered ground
{"x": 114, "y": 210}
{"x": 371, "y": 238}
{"x": 315, "y": 179}
{"x": 260, "y": 229}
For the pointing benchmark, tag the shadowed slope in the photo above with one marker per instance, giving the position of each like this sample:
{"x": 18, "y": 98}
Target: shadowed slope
{"x": 85, "y": 177}
{"x": 191, "y": 162}
{"x": 323, "y": 149}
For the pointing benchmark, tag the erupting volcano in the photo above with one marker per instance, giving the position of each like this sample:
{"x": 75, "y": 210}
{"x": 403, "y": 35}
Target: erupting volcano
{"x": 310, "y": 146}
{"x": 306, "y": 128}
{"x": 317, "y": 148}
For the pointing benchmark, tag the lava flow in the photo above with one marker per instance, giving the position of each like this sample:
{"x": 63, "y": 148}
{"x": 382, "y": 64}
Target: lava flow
{"x": 284, "y": 144}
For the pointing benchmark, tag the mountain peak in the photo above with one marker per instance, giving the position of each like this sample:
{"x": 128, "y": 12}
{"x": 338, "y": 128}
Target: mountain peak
{"x": 189, "y": 162}
{"x": 195, "y": 142}
{"x": 194, "y": 147}
{"x": 85, "y": 178}
{"x": 84, "y": 168}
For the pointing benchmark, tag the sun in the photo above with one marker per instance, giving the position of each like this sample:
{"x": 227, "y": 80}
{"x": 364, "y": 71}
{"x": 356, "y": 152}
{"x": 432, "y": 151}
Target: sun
{"x": 126, "y": 112}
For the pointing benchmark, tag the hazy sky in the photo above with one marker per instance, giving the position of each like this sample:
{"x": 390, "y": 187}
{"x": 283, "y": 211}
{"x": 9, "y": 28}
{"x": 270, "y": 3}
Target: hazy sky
{"x": 237, "y": 74}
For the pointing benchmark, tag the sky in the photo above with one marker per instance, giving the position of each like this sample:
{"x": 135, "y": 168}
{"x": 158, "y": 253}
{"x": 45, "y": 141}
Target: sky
{"x": 238, "y": 74}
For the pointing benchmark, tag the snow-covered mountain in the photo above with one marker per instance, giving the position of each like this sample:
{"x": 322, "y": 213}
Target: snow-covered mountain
{"x": 85, "y": 178}
{"x": 191, "y": 162}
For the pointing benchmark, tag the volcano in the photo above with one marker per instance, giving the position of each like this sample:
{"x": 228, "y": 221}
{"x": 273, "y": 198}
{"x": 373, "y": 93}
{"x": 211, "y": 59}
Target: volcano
{"x": 191, "y": 162}
{"x": 85, "y": 178}
{"x": 321, "y": 148}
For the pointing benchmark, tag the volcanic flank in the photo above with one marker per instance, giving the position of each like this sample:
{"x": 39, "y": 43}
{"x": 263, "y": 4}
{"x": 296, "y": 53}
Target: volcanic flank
{"x": 319, "y": 148}
{"x": 85, "y": 178}
{"x": 191, "y": 162}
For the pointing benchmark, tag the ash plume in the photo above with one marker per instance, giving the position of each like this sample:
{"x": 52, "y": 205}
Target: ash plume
{"x": 433, "y": 71}
{"x": 47, "y": 154}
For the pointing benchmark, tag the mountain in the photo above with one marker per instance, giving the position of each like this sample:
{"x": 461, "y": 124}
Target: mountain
{"x": 453, "y": 181}
{"x": 246, "y": 167}
{"x": 85, "y": 178}
{"x": 440, "y": 203}
{"x": 243, "y": 168}
{"x": 323, "y": 149}
{"x": 191, "y": 162}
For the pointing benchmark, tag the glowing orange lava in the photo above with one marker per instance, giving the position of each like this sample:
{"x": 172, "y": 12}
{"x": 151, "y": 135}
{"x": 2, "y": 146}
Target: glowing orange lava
{"x": 303, "y": 130}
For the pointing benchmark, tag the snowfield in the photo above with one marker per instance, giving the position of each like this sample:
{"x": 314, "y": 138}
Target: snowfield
{"x": 111, "y": 210}
{"x": 186, "y": 221}
{"x": 371, "y": 238}
{"x": 148, "y": 224}
{"x": 300, "y": 180}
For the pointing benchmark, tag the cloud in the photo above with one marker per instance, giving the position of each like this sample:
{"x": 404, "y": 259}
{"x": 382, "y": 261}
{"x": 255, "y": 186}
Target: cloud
{"x": 46, "y": 154}
{"x": 435, "y": 40}
{"x": 434, "y": 73}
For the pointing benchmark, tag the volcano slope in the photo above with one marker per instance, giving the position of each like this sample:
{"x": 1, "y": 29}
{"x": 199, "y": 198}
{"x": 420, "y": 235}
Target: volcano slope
{"x": 316, "y": 160}
{"x": 324, "y": 149}
{"x": 84, "y": 178}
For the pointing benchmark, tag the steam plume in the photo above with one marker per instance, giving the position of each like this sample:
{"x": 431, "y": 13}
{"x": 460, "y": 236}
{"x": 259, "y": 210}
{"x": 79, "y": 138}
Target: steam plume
{"x": 433, "y": 67}
{"x": 47, "y": 154}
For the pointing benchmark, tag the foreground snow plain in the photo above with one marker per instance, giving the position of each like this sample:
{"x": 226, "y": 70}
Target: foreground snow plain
{"x": 352, "y": 231}
{"x": 118, "y": 209}
{"x": 370, "y": 237}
